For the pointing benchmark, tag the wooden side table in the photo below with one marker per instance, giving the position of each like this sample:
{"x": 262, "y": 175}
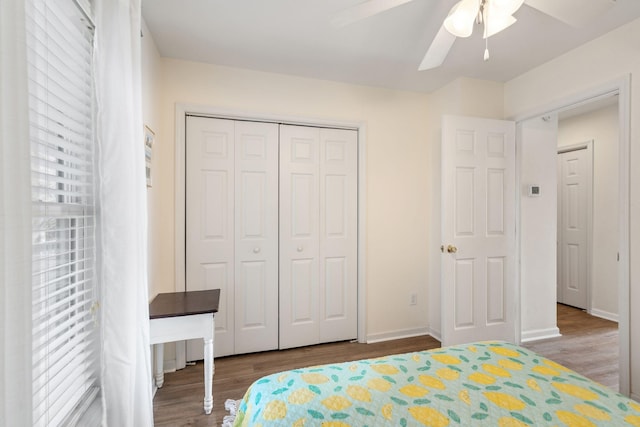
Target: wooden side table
{"x": 178, "y": 316}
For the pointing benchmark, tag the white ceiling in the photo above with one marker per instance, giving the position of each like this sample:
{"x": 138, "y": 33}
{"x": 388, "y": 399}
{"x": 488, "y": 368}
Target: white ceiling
{"x": 296, "y": 37}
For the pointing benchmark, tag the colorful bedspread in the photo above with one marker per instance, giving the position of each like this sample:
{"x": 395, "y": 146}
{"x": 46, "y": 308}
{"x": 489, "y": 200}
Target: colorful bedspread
{"x": 481, "y": 384}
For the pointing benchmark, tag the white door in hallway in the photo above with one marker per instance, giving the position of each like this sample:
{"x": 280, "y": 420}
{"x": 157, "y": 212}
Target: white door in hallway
{"x": 574, "y": 209}
{"x": 478, "y": 230}
{"x": 318, "y": 235}
{"x": 231, "y": 229}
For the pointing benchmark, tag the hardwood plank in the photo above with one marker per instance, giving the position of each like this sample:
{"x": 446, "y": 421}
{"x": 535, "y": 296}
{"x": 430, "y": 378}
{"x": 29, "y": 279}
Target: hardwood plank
{"x": 179, "y": 401}
{"x": 588, "y": 345}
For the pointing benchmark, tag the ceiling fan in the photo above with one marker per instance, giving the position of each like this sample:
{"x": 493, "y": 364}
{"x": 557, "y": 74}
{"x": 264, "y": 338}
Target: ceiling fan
{"x": 493, "y": 15}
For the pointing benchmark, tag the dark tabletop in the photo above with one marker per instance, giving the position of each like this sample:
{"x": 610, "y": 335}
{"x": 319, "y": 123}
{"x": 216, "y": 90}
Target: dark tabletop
{"x": 184, "y": 303}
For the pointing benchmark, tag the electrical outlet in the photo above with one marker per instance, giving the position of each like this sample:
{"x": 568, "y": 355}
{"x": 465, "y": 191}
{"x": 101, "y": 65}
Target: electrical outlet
{"x": 414, "y": 299}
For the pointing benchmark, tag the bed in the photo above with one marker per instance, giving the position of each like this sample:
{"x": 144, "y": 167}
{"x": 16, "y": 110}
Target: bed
{"x": 479, "y": 384}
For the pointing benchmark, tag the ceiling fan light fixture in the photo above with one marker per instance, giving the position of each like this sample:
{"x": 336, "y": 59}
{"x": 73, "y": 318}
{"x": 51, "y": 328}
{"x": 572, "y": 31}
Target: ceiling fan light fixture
{"x": 461, "y": 18}
{"x": 496, "y": 24}
{"x": 504, "y": 7}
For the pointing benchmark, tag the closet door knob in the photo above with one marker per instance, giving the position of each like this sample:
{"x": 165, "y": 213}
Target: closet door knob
{"x": 299, "y": 248}
{"x": 256, "y": 250}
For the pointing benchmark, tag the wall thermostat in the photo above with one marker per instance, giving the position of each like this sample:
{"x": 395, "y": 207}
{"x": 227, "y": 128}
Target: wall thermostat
{"x": 534, "y": 190}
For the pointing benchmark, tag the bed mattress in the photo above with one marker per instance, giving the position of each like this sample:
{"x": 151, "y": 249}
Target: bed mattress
{"x": 479, "y": 384}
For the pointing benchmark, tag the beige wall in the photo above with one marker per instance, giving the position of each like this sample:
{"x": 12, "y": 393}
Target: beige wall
{"x": 396, "y": 164}
{"x": 151, "y": 101}
{"x": 601, "y": 127}
{"x": 584, "y": 69}
{"x": 402, "y": 164}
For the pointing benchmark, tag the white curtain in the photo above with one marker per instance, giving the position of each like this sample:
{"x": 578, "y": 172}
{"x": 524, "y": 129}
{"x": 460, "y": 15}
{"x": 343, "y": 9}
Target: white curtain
{"x": 15, "y": 220}
{"x": 126, "y": 372}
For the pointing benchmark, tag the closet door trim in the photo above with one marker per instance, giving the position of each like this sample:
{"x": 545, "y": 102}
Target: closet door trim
{"x": 184, "y": 110}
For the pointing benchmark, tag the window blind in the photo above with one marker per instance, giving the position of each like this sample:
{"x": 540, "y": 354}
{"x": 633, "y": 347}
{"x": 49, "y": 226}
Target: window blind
{"x": 64, "y": 300}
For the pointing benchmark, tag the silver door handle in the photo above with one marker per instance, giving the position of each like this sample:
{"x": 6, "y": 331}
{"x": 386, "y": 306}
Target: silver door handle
{"x": 256, "y": 250}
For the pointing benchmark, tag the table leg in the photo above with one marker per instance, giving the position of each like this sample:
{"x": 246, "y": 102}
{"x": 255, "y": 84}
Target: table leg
{"x": 159, "y": 373}
{"x": 208, "y": 375}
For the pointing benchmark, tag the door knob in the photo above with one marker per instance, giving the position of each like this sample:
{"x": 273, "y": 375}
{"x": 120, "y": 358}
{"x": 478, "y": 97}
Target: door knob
{"x": 256, "y": 250}
{"x": 452, "y": 249}
{"x": 299, "y": 248}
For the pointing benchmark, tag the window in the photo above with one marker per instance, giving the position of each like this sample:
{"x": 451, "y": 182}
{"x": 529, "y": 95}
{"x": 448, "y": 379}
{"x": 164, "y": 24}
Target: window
{"x": 65, "y": 292}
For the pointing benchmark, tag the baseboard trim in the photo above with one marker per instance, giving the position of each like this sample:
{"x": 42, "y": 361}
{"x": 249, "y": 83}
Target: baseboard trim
{"x": 604, "y": 315}
{"x": 540, "y": 334}
{"x": 635, "y": 396}
{"x": 396, "y": 335}
{"x": 435, "y": 334}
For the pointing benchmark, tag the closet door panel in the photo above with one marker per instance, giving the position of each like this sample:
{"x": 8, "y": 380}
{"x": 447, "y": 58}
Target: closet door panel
{"x": 272, "y": 222}
{"x": 256, "y": 237}
{"x": 210, "y": 158}
{"x": 338, "y": 238}
{"x": 303, "y": 301}
{"x": 299, "y": 245}
{"x": 336, "y": 290}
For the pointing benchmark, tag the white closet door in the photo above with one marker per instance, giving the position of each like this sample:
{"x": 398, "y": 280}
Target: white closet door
{"x": 318, "y": 235}
{"x": 284, "y": 254}
{"x": 256, "y": 237}
{"x": 210, "y": 222}
{"x": 299, "y": 243}
{"x": 232, "y": 229}
{"x": 338, "y": 235}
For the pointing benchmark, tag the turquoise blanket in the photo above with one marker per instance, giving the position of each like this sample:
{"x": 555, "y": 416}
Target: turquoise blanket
{"x": 480, "y": 384}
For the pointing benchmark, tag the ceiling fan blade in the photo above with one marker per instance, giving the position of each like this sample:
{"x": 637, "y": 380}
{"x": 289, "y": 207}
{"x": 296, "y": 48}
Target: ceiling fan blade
{"x": 364, "y": 10}
{"x": 577, "y": 13}
{"x": 438, "y": 50}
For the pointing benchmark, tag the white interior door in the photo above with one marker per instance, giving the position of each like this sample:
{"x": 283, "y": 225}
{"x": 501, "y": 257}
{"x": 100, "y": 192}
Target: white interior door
{"x": 574, "y": 188}
{"x": 318, "y": 235}
{"x": 256, "y": 237}
{"x": 338, "y": 235}
{"x": 299, "y": 236}
{"x": 210, "y": 163}
{"x": 272, "y": 222}
{"x": 478, "y": 230}
{"x": 232, "y": 229}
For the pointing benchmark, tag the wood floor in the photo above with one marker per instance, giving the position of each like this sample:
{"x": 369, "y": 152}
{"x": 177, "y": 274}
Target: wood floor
{"x": 588, "y": 345}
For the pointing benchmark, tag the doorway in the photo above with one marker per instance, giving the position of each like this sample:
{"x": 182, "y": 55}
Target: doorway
{"x": 478, "y": 230}
{"x": 620, "y": 90}
{"x": 588, "y": 224}
{"x": 588, "y": 207}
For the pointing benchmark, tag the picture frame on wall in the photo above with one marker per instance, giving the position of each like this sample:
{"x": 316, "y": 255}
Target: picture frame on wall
{"x": 149, "y": 137}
